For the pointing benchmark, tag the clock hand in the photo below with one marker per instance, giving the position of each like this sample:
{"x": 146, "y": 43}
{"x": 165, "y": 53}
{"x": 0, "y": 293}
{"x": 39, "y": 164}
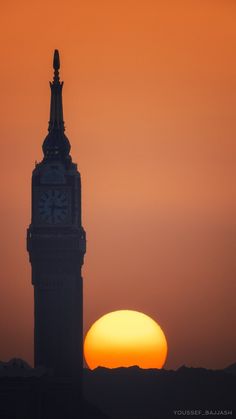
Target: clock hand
{"x": 52, "y": 207}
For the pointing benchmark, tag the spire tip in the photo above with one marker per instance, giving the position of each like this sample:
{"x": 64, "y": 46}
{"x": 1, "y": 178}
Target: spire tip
{"x": 56, "y": 60}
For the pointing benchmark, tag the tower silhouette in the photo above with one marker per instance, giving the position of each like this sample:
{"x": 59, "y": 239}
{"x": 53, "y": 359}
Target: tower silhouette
{"x": 56, "y": 243}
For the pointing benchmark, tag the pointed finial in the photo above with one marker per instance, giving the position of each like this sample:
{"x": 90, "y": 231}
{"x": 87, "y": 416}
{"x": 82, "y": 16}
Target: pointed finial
{"x": 56, "y": 60}
{"x": 56, "y": 66}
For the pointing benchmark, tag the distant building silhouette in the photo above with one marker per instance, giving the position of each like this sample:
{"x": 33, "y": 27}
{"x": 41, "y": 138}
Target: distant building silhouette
{"x": 56, "y": 244}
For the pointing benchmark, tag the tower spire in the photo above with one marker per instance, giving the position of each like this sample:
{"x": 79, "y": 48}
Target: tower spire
{"x": 56, "y": 109}
{"x": 56, "y": 144}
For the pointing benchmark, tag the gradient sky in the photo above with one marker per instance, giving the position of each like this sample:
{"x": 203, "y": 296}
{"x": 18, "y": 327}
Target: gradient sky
{"x": 150, "y": 111}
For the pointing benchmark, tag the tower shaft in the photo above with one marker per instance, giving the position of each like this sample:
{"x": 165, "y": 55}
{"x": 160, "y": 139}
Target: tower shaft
{"x": 56, "y": 243}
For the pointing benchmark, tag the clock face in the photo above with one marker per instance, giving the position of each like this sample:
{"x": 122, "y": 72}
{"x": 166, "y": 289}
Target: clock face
{"x": 53, "y": 206}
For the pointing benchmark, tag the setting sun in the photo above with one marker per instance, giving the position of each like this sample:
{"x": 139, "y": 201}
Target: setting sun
{"x": 124, "y": 338}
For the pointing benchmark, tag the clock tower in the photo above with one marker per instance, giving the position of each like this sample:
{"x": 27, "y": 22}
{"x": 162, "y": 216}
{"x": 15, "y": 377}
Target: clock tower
{"x": 56, "y": 243}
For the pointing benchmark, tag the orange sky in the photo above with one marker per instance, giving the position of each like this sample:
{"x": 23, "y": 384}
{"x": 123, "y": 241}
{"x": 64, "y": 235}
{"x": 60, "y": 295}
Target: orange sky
{"x": 149, "y": 107}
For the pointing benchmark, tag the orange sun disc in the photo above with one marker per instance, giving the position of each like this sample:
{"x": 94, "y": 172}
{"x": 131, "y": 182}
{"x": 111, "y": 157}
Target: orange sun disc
{"x": 125, "y": 338}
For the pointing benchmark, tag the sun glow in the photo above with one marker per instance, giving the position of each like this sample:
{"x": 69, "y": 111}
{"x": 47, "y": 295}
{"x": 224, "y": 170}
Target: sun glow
{"x": 124, "y": 338}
